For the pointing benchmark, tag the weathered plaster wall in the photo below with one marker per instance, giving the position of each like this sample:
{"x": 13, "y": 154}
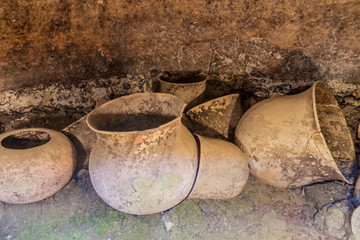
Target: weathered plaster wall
{"x": 267, "y": 41}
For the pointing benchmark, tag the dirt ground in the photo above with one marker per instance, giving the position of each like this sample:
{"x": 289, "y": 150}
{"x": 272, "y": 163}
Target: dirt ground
{"x": 319, "y": 211}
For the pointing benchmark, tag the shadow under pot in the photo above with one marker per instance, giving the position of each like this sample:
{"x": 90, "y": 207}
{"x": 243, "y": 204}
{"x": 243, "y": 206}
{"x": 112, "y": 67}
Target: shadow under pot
{"x": 35, "y": 163}
{"x": 297, "y": 140}
{"x": 144, "y": 160}
{"x": 189, "y": 87}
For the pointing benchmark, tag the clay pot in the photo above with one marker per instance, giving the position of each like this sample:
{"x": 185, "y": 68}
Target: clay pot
{"x": 297, "y": 140}
{"x": 355, "y": 223}
{"x": 217, "y": 117}
{"x": 35, "y": 163}
{"x": 190, "y": 87}
{"x": 223, "y": 170}
{"x": 144, "y": 160}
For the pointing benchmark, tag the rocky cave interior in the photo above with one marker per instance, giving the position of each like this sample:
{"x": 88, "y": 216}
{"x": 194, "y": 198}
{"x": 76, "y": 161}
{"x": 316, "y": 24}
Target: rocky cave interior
{"x": 61, "y": 58}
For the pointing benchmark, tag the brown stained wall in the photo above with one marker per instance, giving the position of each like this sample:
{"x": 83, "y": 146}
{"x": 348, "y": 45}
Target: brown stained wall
{"x": 70, "y": 40}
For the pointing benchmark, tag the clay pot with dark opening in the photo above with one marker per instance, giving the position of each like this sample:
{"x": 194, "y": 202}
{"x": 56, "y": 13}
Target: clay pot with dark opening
{"x": 144, "y": 160}
{"x": 188, "y": 86}
{"x": 35, "y": 163}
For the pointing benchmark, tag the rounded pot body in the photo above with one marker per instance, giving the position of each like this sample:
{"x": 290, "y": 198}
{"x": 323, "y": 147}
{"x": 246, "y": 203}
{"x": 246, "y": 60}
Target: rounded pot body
{"x": 144, "y": 160}
{"x": 35, "y": 163}
{"x": 355, "y": 222}
{"x": 297, "y": 140}
{"x": 223, "y": 170}
{"x": 189, "y": 88}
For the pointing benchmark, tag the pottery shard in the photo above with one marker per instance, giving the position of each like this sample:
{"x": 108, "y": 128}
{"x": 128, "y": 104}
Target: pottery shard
{"x": 217, "y": 117}
{"x": 82, "y": 137}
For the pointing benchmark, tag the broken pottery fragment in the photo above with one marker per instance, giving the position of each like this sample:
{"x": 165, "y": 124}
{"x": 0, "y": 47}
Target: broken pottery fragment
{"x": 82, "y": 137}
{"x": 35, "y": 163}
{"x": 223, "y": 170}
{"x": 188, "y": 86}
{"x": 144, "y": 160}
{"x": 297, "y": 140}
{"x": 217, "y": 117}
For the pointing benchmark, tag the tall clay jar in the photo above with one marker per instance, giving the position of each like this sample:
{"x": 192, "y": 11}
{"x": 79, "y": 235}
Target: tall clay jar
{"x": 190, "y": 87}
{"x": 144, "y": 160}
{"x": 297, "y": 140}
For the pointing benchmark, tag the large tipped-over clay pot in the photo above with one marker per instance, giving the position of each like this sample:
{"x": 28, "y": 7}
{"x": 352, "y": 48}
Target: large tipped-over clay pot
{"x": 223, "y": 170}
{"x": 217, "y": 117}
{"x": 297, "y": 140}
{"x": 35, "y": 163}
{"x": 144, "y": 160}
{"x": 190, "y": 87}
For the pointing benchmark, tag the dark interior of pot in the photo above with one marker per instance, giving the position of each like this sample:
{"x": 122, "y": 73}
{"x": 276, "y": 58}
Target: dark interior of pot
{"x": 183, "y": 77}
{"x": 136, "y": 113}
{"x": 334, "y": 128}
{"x": 131, "y": 122}
{"x": 26, "y": 140}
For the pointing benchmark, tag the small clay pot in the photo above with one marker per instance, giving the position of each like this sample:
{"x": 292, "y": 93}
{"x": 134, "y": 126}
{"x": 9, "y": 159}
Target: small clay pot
{"x": 297, "y": 140}
{"x": 189, "y": 87}
{"x": 218, "y": 117}
{"x": 144, "y": 160}
{"x": 35, "y": 163}
{"x": 223, "y": 170}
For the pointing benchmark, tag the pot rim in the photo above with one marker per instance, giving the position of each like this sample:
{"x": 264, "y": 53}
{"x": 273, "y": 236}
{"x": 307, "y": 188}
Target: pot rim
{"x": 183, "y": 84}
{"x": 45, "y": 145}
{"x": 142, "y": 132}
{"x": 212, "y": 100}
{"x": 313, "y": 96}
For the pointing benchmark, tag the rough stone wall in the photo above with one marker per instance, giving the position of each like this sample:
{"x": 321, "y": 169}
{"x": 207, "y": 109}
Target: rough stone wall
{"x": 267, "y": 41}
{"x": 67, "y": 54}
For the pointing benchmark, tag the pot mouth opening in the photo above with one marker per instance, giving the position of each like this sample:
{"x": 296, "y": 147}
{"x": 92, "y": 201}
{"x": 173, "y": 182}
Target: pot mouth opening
{"x": 130, "y": 122}
{"x": 183, "y": 77}
{"x": 136, "y": 113}
{"x": 334, "y": 128}
{"x": 25, "y": 140}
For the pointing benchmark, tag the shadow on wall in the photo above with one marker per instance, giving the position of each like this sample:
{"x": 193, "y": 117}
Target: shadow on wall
{"x": 56, "y": 120}
{"x": 294, "y": 66}
{"x": 259, "y": 68}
